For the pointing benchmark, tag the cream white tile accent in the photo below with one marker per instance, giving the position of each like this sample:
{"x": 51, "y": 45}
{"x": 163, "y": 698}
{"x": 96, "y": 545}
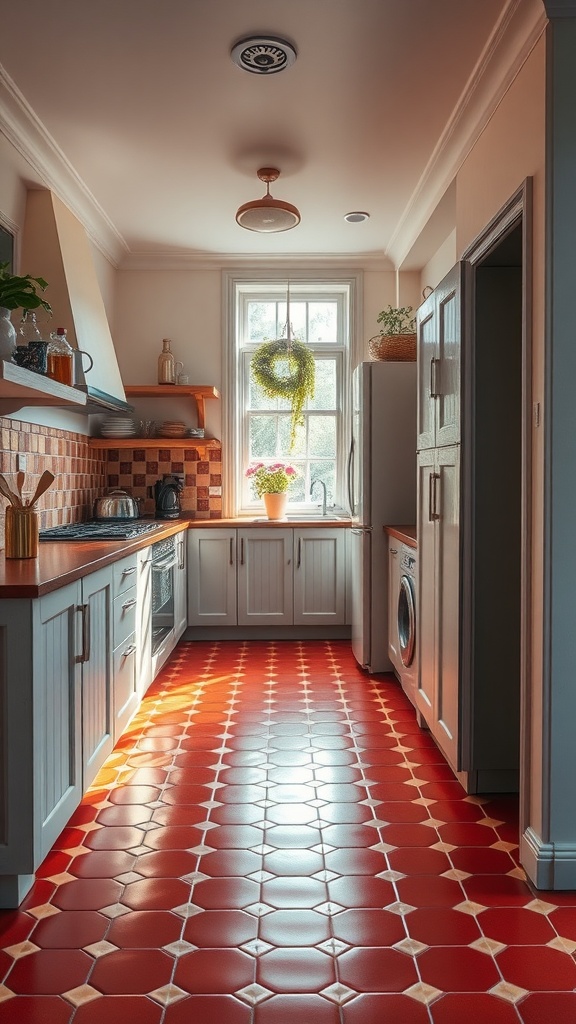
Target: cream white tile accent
{"x": 410, "y": 946}
{"x": 400, "y": 908}
{"x": 258, "y": 909}
{"x": 115, "y": 910}
{"x": 62, "y": 878}
{"x": 328, "y": 908}
{"x": 168, "y": 994}
{"x": 488, "y": 946}
{"x": 43, "y": 911}
{"x": 517, "y": 873}
{"x": 444, "y": 847}
{"x": 390, "y": 876}
{"x": 201, "y": 850}
{"x": 130, "y": 876}
{"x": 100, "y": 948}
{"x": 540, "y": 906}
{"x": 490, "y": 822}
{"x": 333, "y": 946}
{"x": 21, "y": 949}
{"x": 6, "y": 993}
{"x": 338, "y": 993}
{"x": 253, "y": 994}
{"x": 383, "y": 847}
{"x": 256, "y": 947}
{"x": 455, "y": 874}
{"x": 180, "y": 947}
{"x": 423, "y": 993}
{"x": 187, "y": 910}
{"x": 82, "y": 994}
{"x": 506, "y": 847}
{"x": 505, "y": 990}
{"x": 469, "y": 907}
{"x": 564, "y": 945}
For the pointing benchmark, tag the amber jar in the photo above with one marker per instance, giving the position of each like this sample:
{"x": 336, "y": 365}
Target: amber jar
{"x": 60, "y": 357}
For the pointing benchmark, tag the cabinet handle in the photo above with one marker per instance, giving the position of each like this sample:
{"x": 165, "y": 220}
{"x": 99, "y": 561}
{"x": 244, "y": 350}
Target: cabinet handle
{"x": 433, "y": 512}
{"x": 299, "y": 559}
{"x": 434, "y": 366}
{"x": 147, "y": 561}
{"x": 181, "y": 562}
{"x": 129, "y": 604}
{"x": 84, "y": 610}
{"x": 129, "y": 651}
{"x": 129, "y": 571}
{"x": 393, "y": 551}
{"x": 231, "y": 561}
{"x": 242, "y": 551}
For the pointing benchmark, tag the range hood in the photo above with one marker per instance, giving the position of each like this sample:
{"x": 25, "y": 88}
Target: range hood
{"x": 55, "y": 246}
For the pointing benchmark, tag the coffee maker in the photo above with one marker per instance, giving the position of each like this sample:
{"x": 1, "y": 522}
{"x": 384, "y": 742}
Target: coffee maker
{"x": 167, "y": 493}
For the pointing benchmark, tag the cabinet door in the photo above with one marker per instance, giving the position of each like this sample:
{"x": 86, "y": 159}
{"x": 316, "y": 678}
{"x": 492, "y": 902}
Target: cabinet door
{"x": 319, "y": 577}
{"x": 180, "y": 589}
{"x": 212, "y": 577}
{"x": 265, "y": 577}
{"x": 426, "y": 628}
{"x": 437, "y": 694}
{"x": 393, "y": 590}
{"x": 439, "y": 348}
{"x": 57, "y": 731}
{"x": 97, "y": 671}
{"x": 447, "y": 602}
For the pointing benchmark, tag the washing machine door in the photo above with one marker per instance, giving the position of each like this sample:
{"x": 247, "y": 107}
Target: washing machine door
{"x": 406, "y": 620}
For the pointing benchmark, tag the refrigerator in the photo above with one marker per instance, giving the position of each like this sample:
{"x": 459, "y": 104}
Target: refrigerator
{"x": 381, "y": 492}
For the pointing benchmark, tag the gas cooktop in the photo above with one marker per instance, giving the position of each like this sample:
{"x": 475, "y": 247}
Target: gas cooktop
{"x": 99, "y": 529}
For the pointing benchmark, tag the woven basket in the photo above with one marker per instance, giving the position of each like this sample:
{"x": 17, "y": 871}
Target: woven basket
{"x": 394, "y": 348}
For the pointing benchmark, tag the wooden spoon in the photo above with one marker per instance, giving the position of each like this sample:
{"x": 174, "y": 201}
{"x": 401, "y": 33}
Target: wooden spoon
{"x": 43, "y": 485}
{"x": 9, "y": 493}
{"x": 20, "y": 477}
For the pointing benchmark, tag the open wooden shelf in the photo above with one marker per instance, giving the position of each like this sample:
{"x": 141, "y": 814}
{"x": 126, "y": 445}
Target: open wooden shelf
{"x": 199, "y": 392}
{"x": 199, "y": 443}
{"x": 20, "y": 387}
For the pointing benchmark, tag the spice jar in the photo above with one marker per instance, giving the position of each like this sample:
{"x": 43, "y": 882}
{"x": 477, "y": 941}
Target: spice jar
{"x": 60, "y": 357}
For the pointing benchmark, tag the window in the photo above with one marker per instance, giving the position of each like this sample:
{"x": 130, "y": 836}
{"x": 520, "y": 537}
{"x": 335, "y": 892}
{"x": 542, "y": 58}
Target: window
{"x": 260, "y": 427}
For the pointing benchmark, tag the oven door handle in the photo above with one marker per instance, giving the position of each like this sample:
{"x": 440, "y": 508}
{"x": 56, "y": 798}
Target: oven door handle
{"x": 164, "y": 563}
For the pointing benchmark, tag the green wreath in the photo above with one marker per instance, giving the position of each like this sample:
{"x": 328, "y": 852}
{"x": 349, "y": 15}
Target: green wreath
{"x": 295, "y": 381}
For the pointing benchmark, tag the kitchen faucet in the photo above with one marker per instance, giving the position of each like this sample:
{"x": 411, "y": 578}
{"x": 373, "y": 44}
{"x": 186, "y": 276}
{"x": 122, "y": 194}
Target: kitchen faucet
{"x": 323, "y": 485}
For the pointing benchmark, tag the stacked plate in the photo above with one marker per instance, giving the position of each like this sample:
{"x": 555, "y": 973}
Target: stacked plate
{"x": 172, "y": 428}
{"x": 118, "y": 426}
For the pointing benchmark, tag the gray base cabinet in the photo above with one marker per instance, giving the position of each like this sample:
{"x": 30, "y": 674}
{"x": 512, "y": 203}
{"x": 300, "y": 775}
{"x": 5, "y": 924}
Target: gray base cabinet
{"x": 267, "y": 577}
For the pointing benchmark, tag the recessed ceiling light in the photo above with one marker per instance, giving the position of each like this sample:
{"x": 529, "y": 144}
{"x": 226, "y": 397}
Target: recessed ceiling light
{"x": 263, "y": 55}
{"x": 356, "y": 217}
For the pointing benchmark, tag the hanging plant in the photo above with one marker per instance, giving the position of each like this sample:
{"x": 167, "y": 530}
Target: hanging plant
{"x": 285, "y": 368}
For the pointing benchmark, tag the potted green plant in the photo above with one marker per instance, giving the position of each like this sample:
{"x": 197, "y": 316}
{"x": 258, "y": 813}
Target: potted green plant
{"x": 17, "y": 292}
{"x": 397, "y": 339}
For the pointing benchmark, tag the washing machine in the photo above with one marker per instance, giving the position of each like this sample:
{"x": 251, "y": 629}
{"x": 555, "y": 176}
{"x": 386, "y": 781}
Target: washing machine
{"x": 407, "y": 614}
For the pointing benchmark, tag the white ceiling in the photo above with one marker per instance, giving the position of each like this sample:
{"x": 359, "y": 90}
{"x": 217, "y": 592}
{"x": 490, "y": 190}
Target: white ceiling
{"x": 166, "y": 134}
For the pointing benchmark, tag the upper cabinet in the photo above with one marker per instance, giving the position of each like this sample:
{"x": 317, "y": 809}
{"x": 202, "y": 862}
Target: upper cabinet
{"x": 439, "y": 330}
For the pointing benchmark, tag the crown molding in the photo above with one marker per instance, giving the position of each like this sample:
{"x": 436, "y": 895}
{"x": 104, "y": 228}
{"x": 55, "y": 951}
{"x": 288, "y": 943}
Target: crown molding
{"x": 226, "y": 261}
{"x": 514, "y": 36}
{"x": 27, "y": 134}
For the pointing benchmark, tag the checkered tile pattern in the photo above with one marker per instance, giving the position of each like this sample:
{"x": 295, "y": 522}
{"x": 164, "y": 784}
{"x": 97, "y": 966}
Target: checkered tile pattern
{"x": 273, "y": 839}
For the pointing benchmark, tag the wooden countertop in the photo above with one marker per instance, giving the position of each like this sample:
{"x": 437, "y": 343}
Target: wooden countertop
{"x": 61, "y": 562}
{"x": 407, "y": 534}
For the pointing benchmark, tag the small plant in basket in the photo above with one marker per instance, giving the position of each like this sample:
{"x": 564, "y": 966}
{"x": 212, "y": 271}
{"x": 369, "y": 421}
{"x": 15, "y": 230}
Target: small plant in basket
{"x": 274, "y": 478}
{"x": 397, "y": 339}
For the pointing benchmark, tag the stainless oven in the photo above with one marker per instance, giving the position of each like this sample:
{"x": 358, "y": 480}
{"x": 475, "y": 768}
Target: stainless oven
{"x": 164, "y": 566}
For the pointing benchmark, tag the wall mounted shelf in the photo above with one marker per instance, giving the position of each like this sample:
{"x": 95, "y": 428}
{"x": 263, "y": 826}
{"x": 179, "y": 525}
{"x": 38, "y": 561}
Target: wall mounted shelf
{"x": 199, "y": 392}
{"x": 201, "y": 444}
{"x": 20, "y": 387}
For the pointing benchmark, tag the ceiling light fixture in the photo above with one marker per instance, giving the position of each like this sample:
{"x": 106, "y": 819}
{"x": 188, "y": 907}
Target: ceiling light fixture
{"x": 268, "y": 214}
{"x": 356, "y": 217}
{"x": 263, "y": 55}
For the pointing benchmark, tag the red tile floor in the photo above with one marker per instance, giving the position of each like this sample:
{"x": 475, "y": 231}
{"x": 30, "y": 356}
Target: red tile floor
{"x": 274, "y": 838}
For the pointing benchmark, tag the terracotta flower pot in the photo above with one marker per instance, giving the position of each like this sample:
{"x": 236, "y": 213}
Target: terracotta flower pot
{"x": 275, "y": 505}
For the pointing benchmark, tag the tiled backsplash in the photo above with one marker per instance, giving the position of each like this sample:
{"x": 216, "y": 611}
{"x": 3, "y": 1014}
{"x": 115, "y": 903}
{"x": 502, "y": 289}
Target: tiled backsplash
{"x": 80, "y": 471}
{"x": 83, "y": 473}
{"x": 137, "y": 469}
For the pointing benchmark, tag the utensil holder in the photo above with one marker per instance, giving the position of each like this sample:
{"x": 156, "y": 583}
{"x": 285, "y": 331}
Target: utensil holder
{"x": 21, "y": 532}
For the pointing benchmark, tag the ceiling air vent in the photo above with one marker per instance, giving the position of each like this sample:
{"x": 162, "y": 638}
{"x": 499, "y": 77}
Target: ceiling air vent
{"x": 263, "y": 55}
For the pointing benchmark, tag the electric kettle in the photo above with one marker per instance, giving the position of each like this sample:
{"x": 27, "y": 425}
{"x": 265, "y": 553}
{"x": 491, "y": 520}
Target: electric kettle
{"x": 167, "y": 494}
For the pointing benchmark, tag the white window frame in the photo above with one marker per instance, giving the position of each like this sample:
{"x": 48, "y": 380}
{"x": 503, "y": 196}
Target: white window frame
{"x": 236, "y": 284}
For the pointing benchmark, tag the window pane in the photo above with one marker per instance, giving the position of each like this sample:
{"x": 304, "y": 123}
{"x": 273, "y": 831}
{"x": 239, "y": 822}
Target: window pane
{"x": 297, "y": 320}
{"x": 261, "y": 320}
{"x": 323, "y": 323}
{"x": 325, "y": 387}
{"x": 322, "y": 436}
{"x": 262, "y": 436}
{"x": 323, "y": 471}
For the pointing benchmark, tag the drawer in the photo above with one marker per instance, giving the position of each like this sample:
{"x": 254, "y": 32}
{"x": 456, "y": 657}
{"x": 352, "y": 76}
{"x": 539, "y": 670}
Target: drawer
{"x": 124, "y": 615}
{"x": 124, "y": 574}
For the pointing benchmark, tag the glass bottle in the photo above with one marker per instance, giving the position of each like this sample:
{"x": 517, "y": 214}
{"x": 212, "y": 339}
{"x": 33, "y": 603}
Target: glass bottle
{"x": 60, "y": 357}
{"x": 166, "y": 364}
{"x": 28, "y": 330}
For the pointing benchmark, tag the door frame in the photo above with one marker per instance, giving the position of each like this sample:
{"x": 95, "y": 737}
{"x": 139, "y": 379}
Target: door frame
{"x": 517, "y": 211}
